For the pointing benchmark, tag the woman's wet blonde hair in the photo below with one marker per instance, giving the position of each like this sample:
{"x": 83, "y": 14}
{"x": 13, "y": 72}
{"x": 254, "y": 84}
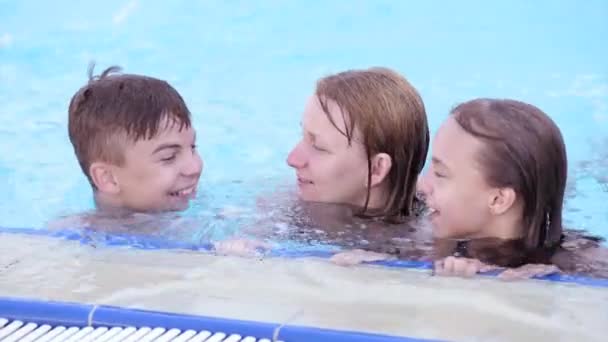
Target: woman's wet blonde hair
{"x": 390, "y": 115}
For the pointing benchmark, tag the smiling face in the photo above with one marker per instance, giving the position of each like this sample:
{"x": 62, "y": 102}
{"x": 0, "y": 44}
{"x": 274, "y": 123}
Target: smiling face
{"x": 160, "y": 173}
{"x": 455, "y": 186}
{"x": 499, "y": 170}
{"x": 328, "y": 168}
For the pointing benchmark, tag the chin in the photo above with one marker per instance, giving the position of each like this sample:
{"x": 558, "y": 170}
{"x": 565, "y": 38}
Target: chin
{"x": 441, "y": 233}
{"x": 179, "y": 207}
{"x": 306, "y": 196}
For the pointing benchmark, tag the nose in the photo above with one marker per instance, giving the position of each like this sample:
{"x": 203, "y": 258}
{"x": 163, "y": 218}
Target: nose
{"x": 193, "y": 166}
{"x": 297, "y": 157}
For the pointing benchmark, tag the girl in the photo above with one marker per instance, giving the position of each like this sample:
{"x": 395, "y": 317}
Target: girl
{"x": 496, "y": 184}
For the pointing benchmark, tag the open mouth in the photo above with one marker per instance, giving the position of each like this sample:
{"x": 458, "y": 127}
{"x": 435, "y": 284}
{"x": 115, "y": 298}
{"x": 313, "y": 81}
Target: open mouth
{"x": 302, "y": 181}
{"x": 187, "y": 192}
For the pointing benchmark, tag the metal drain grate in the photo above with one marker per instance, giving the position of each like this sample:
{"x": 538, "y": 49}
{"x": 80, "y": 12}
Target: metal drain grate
{"x": 13, "y": 331}
{"x": 27, "y": 320}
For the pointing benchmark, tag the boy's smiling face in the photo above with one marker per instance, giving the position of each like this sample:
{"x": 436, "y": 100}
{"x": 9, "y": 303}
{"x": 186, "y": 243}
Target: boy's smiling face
{"x": 159, "y": 174}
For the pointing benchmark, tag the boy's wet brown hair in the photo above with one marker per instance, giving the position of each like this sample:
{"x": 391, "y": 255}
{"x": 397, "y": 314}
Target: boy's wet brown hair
{"x": 390, "y": 114}
{"x": 114, "y": 109}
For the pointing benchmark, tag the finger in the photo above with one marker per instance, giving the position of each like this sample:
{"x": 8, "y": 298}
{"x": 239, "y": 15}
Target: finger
{"x": 529, "y": 271}
{"x": 460, "y": 267}
{"x": 547, "y": 270}
{"x": 510, "y": 274}
{"x": 373, "y": 256}
{"x": 445, "y": 267}
{"x": 471, "y": 269}
{"x": 341, "y": 259}
{"x": 487, "y": 268}
{"x": 522, "y": 272}
{"x": 449, "y": 266}
{"x": 438, "y": 267}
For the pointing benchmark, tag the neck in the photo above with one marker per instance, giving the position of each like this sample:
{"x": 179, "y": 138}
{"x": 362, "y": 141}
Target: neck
{"x": 378, "y": 196}
{"x": 509, "y": 226}
{"x": 107, "y": 204}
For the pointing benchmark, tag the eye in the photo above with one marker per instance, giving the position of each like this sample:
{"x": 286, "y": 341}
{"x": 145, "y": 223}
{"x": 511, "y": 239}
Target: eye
{"x": 321, "y": 149}
{"x": 438, "y": 174}
{"x": 193, "y": 146}
{"x": 170, "y": 158}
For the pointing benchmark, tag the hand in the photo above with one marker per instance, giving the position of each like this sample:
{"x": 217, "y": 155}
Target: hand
{"x": 528, "y": 271}
{"x": 461, "y": 267}
{"x": 357, "y": 256}
{"x": 241, "y": 247}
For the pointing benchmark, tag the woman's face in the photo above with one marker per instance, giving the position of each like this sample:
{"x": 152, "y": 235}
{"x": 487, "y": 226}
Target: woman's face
{"x": 328, "y": 168}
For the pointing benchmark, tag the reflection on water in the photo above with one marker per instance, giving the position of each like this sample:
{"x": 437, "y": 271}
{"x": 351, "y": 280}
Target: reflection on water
{"x": 289, "y": 224}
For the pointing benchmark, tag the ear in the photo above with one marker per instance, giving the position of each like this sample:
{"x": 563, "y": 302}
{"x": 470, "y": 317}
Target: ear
{"x": 501, "y": 200}
{"x": 381, "y": 166}
{"x": 102, "y": 175}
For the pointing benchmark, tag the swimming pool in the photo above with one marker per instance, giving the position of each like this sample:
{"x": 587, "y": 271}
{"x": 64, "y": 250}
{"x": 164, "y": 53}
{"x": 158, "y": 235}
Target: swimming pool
{"x": 246, "y": 69}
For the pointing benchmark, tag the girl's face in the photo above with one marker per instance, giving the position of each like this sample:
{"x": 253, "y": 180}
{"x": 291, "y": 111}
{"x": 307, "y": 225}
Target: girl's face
{"x": 455, "y": 187}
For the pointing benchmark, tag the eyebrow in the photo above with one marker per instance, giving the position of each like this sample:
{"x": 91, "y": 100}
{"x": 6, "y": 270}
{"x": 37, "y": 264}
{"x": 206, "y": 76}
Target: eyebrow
{"x": 166, "y": 146}
{"x": 439, "y": 162}
{"x": 313, "y": 136}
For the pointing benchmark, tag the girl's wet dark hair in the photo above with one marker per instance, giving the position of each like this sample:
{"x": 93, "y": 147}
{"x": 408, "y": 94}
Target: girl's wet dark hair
{"x": 523, "y": 150}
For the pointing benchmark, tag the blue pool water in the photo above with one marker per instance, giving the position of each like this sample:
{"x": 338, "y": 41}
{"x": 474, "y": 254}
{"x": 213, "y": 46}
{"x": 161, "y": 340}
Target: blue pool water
{"x": 246, "y": 68}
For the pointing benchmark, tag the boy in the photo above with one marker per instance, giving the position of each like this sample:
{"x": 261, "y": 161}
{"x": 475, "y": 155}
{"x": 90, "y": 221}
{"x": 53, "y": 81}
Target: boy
{"x": 133, "y": 138}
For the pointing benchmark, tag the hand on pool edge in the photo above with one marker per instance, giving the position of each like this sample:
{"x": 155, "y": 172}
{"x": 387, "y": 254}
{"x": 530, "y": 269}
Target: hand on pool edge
{"x": 241, "y": 247}
{"x": 528, "y": 271}
{"x": 357, "y": 256}
{"x": 461, "y": 267}
{"x": 465, "y": 267}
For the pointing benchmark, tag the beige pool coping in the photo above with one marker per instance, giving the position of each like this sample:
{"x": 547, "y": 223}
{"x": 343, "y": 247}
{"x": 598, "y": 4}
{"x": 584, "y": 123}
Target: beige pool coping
{"x": 307, "y": 292}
